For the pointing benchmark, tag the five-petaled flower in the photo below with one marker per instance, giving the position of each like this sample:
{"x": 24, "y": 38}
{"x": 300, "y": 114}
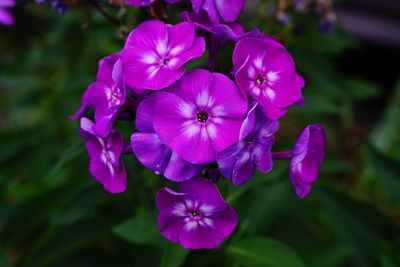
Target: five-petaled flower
{"x": 307, "y": 156}
{"x": 200, "y": 115}
{"x": 198, "y": 217}
{"x": 106, "y": 96}
{"x": 152, "y": 153}
{"x": 155, "y": 54}
{"x": 265, "y": 70}
{"x": 105, "y": 157}
{"x": 239, "y": 161}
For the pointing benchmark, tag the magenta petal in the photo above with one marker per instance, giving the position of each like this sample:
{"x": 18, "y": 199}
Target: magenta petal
{"x": 7, "y": 3}
{"x": 209, "y": 7}
{"x": 179, "y": 170}
{"x": 180, "y": 37}
{"x": 145, "y": 114}
{"x": 227, "y": 159}
{"x": 196, "y": 4}
{"x": 225, "y": 221}
{"x": 205, "y": 191}
{"x": 168, "y": 199}
{"x": 228, "y": 133}
{"x": 308, "y": 155}
{"x": 6, "y": 18}
{"x": 149, "y": 150}
{"x": 106, "y": 66}
{"x": 170, "y": 225}
{"x": 199, "y": 236}
{"x": 230, "y": 10}
{"x": 104, "y": 125}
{"x": 244, "y": 168}
{"x": 226, "y": 94}
{"x": 197, "y": 50}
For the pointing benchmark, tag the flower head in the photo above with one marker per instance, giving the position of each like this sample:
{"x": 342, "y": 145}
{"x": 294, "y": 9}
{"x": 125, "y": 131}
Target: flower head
{"x": 5, "y": 16}
{"x": 200, "y": 115}
{"x": 106, "y": 96}
{"x": 152, "y": 153}
{"x": 228, "y": 10}
{"x": 231, "y": 31}
{"x": 239, "y": 161}
{"x": 307, "y": 156}
{"x": 266, "y": 71}
{"x": 155, "y": 54}
{"x": 196, "y": 218}
{"x": 105, "y": 157}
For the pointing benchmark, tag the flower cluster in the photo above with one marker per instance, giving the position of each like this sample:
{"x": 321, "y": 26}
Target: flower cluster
{"x": 188, "y": 122}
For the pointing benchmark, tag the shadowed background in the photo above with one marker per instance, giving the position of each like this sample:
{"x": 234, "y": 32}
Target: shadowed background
{"x": 52, "y": 213}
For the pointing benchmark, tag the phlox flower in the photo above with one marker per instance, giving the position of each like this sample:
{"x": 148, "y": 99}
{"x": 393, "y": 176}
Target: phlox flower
{"x": 197, "y": 217}
{"x": 5, "y": 16}
{"x": 200, "y": 115}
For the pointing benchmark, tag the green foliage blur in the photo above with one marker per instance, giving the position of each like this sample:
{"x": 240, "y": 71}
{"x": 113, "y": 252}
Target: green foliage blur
{"x": 52, "y": 213}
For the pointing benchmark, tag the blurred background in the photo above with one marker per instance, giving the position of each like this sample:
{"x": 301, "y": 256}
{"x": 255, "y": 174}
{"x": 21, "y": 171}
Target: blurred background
{"x": 52, "y": 213}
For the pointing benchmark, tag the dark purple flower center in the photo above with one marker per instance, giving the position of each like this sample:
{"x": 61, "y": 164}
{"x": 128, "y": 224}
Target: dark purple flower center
{"x": 202, "y": 117}
{"x": 194, "y": 214}
{"x": 164, "y": 61}
{"x": 260, "y": 79}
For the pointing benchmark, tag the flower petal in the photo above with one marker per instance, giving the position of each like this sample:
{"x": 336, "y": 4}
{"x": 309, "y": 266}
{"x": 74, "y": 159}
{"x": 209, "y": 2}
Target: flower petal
{"x": 179, "y": 170}
{"x": 205, "y": 191}
{"x": 230, "y": 10}
{"x": 149, "y": 150}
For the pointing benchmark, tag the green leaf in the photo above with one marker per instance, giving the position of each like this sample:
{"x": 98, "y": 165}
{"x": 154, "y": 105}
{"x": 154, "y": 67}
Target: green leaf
{"x": 140, "y": 230}
{"x": 386, "y": 134}
{"x": 264, "y": 252}
{"x": 174, "y": 255}
{"x": 387, "y": 170}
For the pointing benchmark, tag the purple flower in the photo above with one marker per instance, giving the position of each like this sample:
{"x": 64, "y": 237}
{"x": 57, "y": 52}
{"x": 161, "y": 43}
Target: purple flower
{"x": 266, "y": 71}
{"x": 228, "y": 10}
{"x": 155, "y": 54}
{"x": 105, "y": 157}
{"x": 107, "y": 95}
{"x": 196, "y": 218}
{"x": 152, "y": 153}
{"x": 230, "y": 31}
{"x": 200, "y": 115}
{"x": 238, "y": 162}
{"x": 144, "y": 3}
{"x": 5, "y": 16}
{"x": 307, "y": 156}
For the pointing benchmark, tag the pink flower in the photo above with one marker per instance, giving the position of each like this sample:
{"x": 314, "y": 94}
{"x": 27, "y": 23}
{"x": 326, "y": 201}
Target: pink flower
{"x": 155, "y": 54}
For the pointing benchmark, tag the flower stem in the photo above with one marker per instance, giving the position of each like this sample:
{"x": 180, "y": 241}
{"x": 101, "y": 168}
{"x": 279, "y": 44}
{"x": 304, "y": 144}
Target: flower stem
{"x": 282, "y": 155}
{"x": 157, "y": 11}
{"x": 213, "y": 53}
{"x": 125, "y": 116}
